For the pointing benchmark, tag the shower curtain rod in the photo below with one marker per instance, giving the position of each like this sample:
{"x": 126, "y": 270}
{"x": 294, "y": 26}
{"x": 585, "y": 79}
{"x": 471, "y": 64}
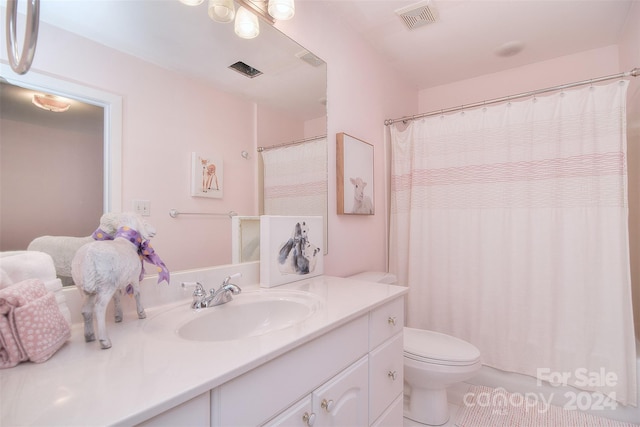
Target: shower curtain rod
{"x": 633, "y": 73}
{"x": 286, "y": 144}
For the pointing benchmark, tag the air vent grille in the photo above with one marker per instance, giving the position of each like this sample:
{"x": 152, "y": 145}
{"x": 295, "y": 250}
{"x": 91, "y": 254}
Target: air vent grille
{"x": 310, "y": 58}
{"x": 245, "y": 70}
{"x": 417, "y": 15}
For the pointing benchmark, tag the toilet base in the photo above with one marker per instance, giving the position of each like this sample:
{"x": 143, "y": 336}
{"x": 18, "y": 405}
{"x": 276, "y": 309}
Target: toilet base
{"x": 428, "y": 407}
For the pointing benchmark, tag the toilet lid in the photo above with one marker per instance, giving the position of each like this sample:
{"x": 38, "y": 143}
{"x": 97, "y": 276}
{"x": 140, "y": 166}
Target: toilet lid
{"x": 434, "y": 347}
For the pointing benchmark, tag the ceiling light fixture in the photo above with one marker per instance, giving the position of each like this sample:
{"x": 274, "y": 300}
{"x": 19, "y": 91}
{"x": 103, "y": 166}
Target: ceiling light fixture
{"x": 50, "y": 103}
{"x": 222, "y": 10}
{"x": 281, "y": 9}
{"x": 246, "y": 23}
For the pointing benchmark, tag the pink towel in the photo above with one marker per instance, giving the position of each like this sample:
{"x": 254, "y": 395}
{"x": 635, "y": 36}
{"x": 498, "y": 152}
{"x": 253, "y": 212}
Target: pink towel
{"x": 31, "y": 324}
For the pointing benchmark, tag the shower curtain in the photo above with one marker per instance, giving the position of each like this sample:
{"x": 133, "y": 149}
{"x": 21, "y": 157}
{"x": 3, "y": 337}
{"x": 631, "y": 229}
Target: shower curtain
{"x": 509, "y": 225}
{"x": 295, "y": 179}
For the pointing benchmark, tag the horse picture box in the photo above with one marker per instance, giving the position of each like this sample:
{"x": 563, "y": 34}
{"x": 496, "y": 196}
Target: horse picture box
{"x": 290, "y": 249}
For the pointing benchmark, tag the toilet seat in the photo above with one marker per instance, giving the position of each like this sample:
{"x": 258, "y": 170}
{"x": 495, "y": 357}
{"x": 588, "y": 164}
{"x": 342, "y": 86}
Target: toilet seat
{"x": 440, "y": 349}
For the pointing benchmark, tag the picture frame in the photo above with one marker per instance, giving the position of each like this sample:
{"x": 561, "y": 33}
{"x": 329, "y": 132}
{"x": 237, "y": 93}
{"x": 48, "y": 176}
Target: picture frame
{"x": 206, "y": 176}
{"x": 289, "y": 249}
{"x": 355, "y": 179}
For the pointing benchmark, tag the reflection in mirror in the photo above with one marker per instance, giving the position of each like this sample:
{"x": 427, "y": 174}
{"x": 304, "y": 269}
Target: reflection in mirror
{"x": 245, "y": 239}
{"x": 289, "y": 100}
{"x": 51, "y": 168}
{"x": 295, "y": 180}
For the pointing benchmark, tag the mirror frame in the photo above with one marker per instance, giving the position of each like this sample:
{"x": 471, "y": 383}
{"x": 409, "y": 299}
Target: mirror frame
{"x": 112, "y": 138}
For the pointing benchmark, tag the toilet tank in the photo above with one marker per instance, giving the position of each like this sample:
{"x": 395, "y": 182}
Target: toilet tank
{"x": 376, "y": 276}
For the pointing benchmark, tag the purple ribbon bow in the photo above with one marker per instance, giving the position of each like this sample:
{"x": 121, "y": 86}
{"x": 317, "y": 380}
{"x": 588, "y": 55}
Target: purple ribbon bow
{"x": 100, "y": 234}
{"x": 148, "y": 254}
{"x": 145, "y": 251}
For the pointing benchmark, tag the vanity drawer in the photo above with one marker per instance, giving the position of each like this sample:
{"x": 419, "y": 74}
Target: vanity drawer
{"x": 385, "y": 375}
{"x": 385, "y": 322}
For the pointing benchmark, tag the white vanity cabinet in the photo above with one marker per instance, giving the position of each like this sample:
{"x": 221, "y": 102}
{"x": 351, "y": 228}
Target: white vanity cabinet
{"x": 342, "y": 366}
{"x": 342, "y": 401}
{"x": 256, "y": 397}
{"x": 351, "y": 375}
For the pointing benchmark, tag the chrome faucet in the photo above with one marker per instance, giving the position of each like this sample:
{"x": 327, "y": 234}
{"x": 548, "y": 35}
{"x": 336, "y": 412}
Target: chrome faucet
{"x": 215, "y": 297}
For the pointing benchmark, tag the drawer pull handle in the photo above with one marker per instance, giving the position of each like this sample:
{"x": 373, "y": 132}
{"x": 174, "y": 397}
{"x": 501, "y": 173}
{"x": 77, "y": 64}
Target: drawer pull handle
{"x": 327, "y": 405}
{"x": 393, "y": 375}
{"x": 309, "y": 418}
{"x": 392, "y": 320}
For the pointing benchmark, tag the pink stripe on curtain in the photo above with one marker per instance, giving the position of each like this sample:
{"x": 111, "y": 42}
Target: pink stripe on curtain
{"x": 509, "y": 225}
{"x": 594, "y": 164}
{"x": 295, "y": 180}
{"x": 296, "y": 190}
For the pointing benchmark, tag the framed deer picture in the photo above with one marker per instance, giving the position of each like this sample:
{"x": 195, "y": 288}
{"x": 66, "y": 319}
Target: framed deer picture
{"x": 354, "y": 171}
{"x": 206, "y": 176}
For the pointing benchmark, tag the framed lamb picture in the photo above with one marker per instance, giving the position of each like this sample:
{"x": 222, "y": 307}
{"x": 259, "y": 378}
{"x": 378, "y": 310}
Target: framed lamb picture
{"x": 354, "y": 171}
{"x": 206, "y": 176}
{"x": 290, "y": 249}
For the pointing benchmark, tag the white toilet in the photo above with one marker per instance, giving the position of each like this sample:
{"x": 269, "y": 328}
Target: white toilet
{"x": 432, "y": 362}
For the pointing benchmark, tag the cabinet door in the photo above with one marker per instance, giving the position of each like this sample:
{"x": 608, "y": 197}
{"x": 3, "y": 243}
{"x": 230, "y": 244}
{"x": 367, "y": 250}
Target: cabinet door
{"x": 386, "y": 379}
{"x": 344, "y": 400}
{"x": 298, "y": 415}
{"x": 276, "y": 385}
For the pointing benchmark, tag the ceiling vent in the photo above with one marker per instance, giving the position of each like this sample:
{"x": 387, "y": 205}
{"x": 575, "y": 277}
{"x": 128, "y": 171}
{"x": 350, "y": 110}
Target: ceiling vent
{"x": 245, "y": 70}
{"x": 309, "y": 58}
{"x": 417, "y": 15}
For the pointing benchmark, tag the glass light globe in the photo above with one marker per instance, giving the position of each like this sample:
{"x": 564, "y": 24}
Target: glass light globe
{"x": 281, "y": 9}
{"x": 246, "y": 25}
{"x": 222, "y": 10}
{"x": 191, "y": 2}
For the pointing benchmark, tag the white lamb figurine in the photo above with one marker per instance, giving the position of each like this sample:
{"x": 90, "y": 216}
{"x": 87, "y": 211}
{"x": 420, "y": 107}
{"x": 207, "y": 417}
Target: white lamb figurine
{"x": 361, "y": 203}
{"x": 63, "y": 248}
{"x": 101, "y": 269}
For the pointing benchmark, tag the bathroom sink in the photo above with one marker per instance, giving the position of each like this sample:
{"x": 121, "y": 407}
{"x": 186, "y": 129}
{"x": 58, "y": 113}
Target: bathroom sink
{"x": 249, "y": 314}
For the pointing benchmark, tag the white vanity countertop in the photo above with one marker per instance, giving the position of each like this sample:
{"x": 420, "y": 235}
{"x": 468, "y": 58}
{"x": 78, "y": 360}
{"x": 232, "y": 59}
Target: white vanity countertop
{"x": 145, "y": 374}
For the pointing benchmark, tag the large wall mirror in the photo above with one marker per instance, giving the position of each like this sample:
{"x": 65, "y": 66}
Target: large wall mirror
{"x": 288, "y": 99}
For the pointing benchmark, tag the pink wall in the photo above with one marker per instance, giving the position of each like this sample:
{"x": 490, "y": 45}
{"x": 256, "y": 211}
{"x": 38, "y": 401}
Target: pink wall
{"x": 157, "y": 140}
{"x": 166, "y": 117}
{"x": 37, "y": 182}
{"x": 566, "y": 69}
{"x": 277, "y": 128}
{"x": 358, "y": 102}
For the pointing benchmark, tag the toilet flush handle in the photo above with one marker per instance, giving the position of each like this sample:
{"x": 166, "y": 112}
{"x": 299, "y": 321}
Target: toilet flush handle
{"x": 392, "y": 375}
{"x": 392, "y": 320}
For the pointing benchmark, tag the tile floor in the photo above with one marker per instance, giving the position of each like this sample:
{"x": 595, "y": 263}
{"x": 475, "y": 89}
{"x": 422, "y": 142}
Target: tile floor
{"x": 455, "y": 396}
